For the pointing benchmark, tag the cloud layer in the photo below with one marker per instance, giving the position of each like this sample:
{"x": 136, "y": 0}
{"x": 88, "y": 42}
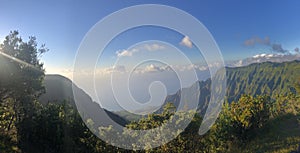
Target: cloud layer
{"x": 114, "y": 69}
{"x": 264, "y": 58}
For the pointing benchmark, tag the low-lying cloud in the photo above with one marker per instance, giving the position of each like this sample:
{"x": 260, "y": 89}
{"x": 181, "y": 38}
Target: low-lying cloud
{"x": 259, "y": 58}
{"x": 114, "y": 69}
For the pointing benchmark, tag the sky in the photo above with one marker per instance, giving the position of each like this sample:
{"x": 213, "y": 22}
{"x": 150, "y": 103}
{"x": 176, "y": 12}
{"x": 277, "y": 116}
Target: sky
{"x": 241, "y": 29}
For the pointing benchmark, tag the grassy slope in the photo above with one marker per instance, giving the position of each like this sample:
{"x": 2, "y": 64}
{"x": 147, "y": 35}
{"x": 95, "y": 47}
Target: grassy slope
{"x": 282, "y": 135}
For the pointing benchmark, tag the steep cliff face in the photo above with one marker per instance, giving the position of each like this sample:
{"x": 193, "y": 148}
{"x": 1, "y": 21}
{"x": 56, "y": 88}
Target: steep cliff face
{"x": 255, "y": 79}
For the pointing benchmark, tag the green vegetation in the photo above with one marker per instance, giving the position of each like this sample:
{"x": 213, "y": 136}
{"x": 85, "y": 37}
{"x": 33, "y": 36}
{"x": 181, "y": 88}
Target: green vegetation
{"x": 267, "y": 78}
{"x": 262, "y": 78}
{"x": 258, "y": 124}
{"x": 262, "y": 113}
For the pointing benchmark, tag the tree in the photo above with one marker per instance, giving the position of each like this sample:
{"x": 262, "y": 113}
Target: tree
{"x": 249, "y": 114}
{"x": 21, "y": 80}
{"x": 298, "y": 86}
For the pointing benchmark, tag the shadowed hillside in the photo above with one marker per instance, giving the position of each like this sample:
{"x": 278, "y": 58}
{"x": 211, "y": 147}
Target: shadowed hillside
{"x": 59, "y": 88}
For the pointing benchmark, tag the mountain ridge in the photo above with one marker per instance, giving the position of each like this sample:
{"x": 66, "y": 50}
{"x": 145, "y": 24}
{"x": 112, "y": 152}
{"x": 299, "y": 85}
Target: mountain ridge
{"x": 257, "y": 78}
{"x": 59, "y": 88}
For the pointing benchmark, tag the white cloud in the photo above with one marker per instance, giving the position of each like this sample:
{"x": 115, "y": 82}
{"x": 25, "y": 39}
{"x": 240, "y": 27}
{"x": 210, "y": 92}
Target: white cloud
{"x": 191, "y": 67}
{"x": 124, "y": 53}
{"x": 154, "y": 47}
{"x": 182, "y": 68}
{"x": 152, "y": 68}
{"x": 186, "y": 42}
{"x": 147, "y": 47}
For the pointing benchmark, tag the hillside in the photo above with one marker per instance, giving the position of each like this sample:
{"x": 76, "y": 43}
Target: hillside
{"x": 59, "y": 88}
{"x": 255, "y": 79}
{"x": 262, "y": 78}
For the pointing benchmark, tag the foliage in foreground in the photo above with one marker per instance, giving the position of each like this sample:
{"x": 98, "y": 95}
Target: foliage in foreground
{"x": 249, "y": 124}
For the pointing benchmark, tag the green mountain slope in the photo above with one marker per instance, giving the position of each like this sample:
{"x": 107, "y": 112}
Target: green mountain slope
{"x": 262, "y": 78}
{"x": 255, "y": 79}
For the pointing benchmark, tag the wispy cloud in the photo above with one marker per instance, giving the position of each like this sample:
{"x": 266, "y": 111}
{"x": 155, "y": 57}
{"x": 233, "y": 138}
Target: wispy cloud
{"x": 113, "y": 69}
{"x": 124, "y": 53}
{"x": 154, "y": 68}
{"x": 276, "y": 47}
{"x": 191, "y": 67}
{"x": 256, "y": 40}
{"x": 121, "y": 53}
{"x": 186, "y": 42}
{"x": 153, "y": 47}
{"x": 146, "y": 47}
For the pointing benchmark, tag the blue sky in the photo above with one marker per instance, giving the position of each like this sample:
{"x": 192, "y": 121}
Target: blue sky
{"x": 63, "y": 24}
